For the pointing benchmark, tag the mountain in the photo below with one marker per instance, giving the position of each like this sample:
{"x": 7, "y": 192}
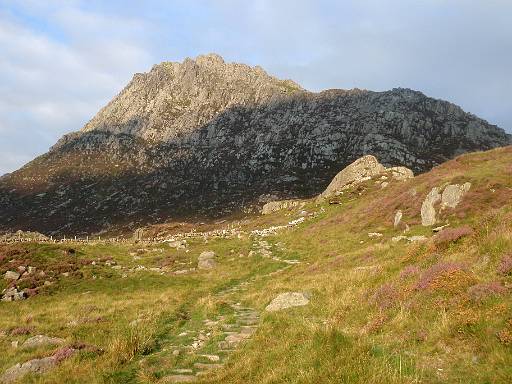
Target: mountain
{"x": 206, "y": 138}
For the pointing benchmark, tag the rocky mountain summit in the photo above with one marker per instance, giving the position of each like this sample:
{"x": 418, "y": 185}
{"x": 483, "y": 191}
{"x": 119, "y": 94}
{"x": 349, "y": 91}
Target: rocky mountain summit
{"x": 208, "y": 138}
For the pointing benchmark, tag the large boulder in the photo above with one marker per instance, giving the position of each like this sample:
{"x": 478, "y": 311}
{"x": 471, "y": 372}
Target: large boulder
{"x": 400, "y": 173}
{"x": 32, "y": 366}
{"x": 288, "y": 300}
{"x": 359, "y": 171}
{"x": 450, "y": 197}
{"x": 428, "y": 212}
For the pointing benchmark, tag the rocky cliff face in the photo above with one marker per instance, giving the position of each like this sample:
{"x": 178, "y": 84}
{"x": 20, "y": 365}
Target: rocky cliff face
{"x": 209, "y": 138}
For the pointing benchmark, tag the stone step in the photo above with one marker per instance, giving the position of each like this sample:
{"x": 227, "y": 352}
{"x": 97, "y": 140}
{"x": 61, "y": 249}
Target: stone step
{"x": 213, "y": 358}
{"x": 230, "y": 327}
{"x": 183, "y": 370}
{"x": 178, "y": 379}
{"x": 207, "y": 367}
{"x": 249, "y": 321}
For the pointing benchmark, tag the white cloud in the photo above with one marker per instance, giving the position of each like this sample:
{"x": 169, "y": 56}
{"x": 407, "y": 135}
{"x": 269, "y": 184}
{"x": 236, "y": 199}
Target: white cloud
{"x": 50, "y": 87}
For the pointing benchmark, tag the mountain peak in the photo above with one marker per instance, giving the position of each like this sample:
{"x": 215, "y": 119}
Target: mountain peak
{"x": 175, "y": 98}
{"x": 210, "y": 59}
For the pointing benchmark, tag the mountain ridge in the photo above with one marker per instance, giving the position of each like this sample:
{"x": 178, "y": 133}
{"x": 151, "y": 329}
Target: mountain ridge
{"x": 204, "y": 138}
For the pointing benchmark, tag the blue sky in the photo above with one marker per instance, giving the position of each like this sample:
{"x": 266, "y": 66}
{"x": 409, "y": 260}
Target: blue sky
{"x": 62, "y": 60}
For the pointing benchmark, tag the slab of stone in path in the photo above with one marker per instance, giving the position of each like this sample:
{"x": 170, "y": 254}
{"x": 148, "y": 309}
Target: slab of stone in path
{"x": 213, "y": 358}
{"x": 207, "y": 366}
{"x": 178, "y": 379}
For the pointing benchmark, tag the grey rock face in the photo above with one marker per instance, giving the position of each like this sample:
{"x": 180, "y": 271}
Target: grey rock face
{"x": 206, "y": 138}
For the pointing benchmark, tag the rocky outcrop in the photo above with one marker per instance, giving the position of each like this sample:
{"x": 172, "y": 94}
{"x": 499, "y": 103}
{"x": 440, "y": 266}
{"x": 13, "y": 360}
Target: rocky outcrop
{"x": 32, "y": 366}
{"x": 361, "y": 170}
{"x": 450, "y": 197}
{"x": 428, "y": 212}
{"x": 12, "y": 294}
{"x": 274, "y": 206}
{"x": 206, "y": 138}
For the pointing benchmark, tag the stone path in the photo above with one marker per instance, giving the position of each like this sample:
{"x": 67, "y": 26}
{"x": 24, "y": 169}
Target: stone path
{"x": 212, "y": 345}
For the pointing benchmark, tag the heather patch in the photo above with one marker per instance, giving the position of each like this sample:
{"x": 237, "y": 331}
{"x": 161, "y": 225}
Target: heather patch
{"x": 386, "y": 296}
{"x": 447, "y": 276}
{"x": 505, "y": 266}
{"x": 450, "y": 235}
{"x": 410, "y": 271}
{"x": 482, "y": 291}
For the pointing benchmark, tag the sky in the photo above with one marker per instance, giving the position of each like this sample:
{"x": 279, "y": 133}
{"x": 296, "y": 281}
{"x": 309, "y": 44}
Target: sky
{"x": 61, "y": 61}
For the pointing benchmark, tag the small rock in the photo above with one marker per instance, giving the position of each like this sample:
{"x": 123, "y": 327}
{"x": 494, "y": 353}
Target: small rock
{"x": 41, "y": 340}
{"x": 212, "y": 357}
{"x": 287, "y": 300}
{"x": 396, "y": 239}
{"x": 398, "y": 218}
{"x": 417, "y": 238}
{"x": 11, "y": 275}
{"x": 440, "y": 228}
{"x": 206, "y": 260}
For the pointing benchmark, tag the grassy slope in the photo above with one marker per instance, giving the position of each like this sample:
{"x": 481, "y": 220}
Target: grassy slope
{"x": 381, "y": 312}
